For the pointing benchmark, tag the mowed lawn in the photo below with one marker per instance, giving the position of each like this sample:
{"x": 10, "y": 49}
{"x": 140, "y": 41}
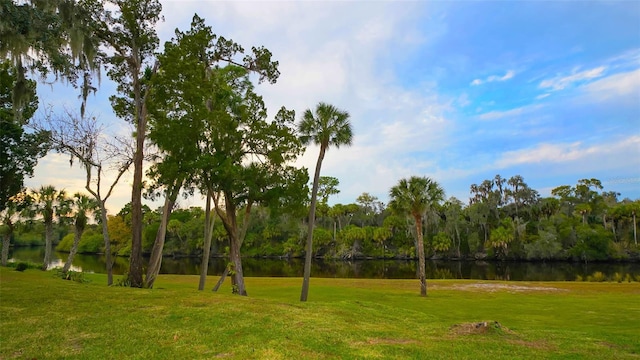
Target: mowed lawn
{"x": 44, "y": 317}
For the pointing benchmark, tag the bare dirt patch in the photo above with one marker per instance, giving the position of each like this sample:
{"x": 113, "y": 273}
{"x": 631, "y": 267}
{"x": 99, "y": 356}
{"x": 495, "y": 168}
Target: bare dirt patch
{"x": 383, "y": 341}
{"x": 502, "y": 287}
{"x": 494, "y": 328}
{"x": 483, "y": 327}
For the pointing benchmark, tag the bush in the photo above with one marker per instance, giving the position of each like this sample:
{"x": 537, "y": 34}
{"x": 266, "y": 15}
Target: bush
{"x": 597, "y": 277}
{"x": 617, "y": 277}
{"x": 24, "y": 265}
{"x": 77, "y": 276}
{"x": 91, "y": 244}
{"x": 65, "y": 244}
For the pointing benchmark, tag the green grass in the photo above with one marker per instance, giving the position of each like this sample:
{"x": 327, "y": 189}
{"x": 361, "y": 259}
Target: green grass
{"x": 45, "y": 317}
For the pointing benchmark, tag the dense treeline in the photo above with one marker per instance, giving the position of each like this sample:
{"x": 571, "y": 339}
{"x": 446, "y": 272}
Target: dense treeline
{"x": 505, "y": 219}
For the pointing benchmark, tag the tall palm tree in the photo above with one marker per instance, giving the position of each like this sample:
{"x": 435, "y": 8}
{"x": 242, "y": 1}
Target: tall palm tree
{"x": 82, "y": 205}
{"x": 328, "y": 126}
{"x": 414, "y": 197}
{"x": 49, "y": 203}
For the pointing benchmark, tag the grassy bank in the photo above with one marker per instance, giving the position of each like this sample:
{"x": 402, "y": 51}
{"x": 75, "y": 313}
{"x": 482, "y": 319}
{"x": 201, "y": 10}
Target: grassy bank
{"x": 47, "y": 318}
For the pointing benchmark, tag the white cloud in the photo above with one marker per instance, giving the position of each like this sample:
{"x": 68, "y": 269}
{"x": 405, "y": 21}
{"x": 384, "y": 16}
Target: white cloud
{"x": 494, "y": 115}
{"x": 572, "y": 152}
{"x": 561, "y": 82}
{"x": 510, "y": 74}
{"x": 621, "y": 84}
{"x": 542, "y": 96}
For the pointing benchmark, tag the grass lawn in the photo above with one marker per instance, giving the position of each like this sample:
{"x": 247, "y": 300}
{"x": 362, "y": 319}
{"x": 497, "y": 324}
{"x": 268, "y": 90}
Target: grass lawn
{"x": 44, "y": 317}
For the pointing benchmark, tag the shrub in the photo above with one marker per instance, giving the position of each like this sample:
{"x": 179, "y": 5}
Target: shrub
{"x": 617, "y": 277}
{"x": 91, "y": 244}
{"x": 77, "y": 276}
{"x": 579, "y": 278}
{"x": 597, "y": 277}
{"x": 24, "y": 265}
{"x": 66, "y": 243}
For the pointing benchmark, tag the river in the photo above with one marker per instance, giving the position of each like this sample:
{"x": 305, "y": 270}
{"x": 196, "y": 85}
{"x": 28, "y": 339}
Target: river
{"x": 371, "y": 269}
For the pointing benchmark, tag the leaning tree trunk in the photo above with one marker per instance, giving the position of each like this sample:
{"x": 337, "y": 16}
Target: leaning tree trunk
{"x": 421, "y": 259}
{"x": 312, "y": 219}
{"x": 48, "y": 238}
{"x": 155, "y": 262}
{"x": 74, "y": 249}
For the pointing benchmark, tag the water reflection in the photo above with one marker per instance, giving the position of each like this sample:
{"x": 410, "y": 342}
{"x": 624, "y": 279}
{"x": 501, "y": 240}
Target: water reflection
{"x": 372, "y": 269}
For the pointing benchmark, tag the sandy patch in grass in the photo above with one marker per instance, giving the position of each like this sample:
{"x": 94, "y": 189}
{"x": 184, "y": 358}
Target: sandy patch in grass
{"x": 489, "y": 328}
{"x": 501, "y": 287}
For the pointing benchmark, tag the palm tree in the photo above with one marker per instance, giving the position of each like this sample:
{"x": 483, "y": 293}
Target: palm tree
{"x": 49, "y": 203}
{"x": 328, "y": 126}
{"x": 82, "y": 205}
{"x": 414, "y": 197}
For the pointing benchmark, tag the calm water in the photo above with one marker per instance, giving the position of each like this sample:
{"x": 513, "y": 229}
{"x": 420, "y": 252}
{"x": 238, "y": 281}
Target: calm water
{"x": 373, "y": 269}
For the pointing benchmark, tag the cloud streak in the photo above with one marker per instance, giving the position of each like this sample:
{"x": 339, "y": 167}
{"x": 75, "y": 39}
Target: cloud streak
{"x": 562, "y": 82}
{"x": 510, "y": 74}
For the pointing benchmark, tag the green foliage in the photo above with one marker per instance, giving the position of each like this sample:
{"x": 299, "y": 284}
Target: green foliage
{"x": 21, "y": 266}
{"x": 592, "y": 243}
{"x": 441, "y": 242}
{"x": 545, "y": 246}
{"x": 66, "y": 243}
{"x": 91, "y": 243}
{"x": 19, "y": 150}
{"x": 597, "y": 277}
{"x": 76, "y": 276}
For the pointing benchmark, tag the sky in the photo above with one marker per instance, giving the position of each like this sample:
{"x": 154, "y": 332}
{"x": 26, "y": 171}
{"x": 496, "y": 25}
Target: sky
{"x": 457, "y": 91}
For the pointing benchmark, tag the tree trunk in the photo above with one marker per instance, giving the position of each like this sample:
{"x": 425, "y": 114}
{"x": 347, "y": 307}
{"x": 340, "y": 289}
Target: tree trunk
{"x": 635, "y": 233}
{"x": 457, "y": 242}
{"x": 312, "y": 219}
{"x": 73, "y": 250}
{"x": 221, "y": 280}
{"x": 48, "y": 238}
{"x": 208, "y": 234}
{"x": 6, "y": 241}
{"x": 107, "y": 241}
{"x": 155, "y": 262}
{"x": 421, "y": 260}
{"x": 237, "y": 278}
{"x": 135, "y": 260}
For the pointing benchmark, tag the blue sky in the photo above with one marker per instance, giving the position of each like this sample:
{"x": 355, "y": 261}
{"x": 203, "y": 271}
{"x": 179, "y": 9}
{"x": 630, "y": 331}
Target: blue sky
{"x": 458, "y": 91}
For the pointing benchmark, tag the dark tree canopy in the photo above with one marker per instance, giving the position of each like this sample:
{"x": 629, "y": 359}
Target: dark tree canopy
{"x": 19, "y": 150}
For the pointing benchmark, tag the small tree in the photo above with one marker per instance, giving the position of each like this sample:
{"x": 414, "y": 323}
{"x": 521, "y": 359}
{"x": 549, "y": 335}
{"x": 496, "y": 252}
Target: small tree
{"x": 414, "y": 197}
{"x": 82, "y": 206}
{"x": 49, "y": 203}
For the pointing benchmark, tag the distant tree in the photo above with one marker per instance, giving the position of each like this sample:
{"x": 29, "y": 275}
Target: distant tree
{"x": 327, "y": 126}
{"x": 49, "y": 203}
{"x": 82, "y": 206}
{"x": 8, "y": 218}
{"x": 414, "y": 197}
